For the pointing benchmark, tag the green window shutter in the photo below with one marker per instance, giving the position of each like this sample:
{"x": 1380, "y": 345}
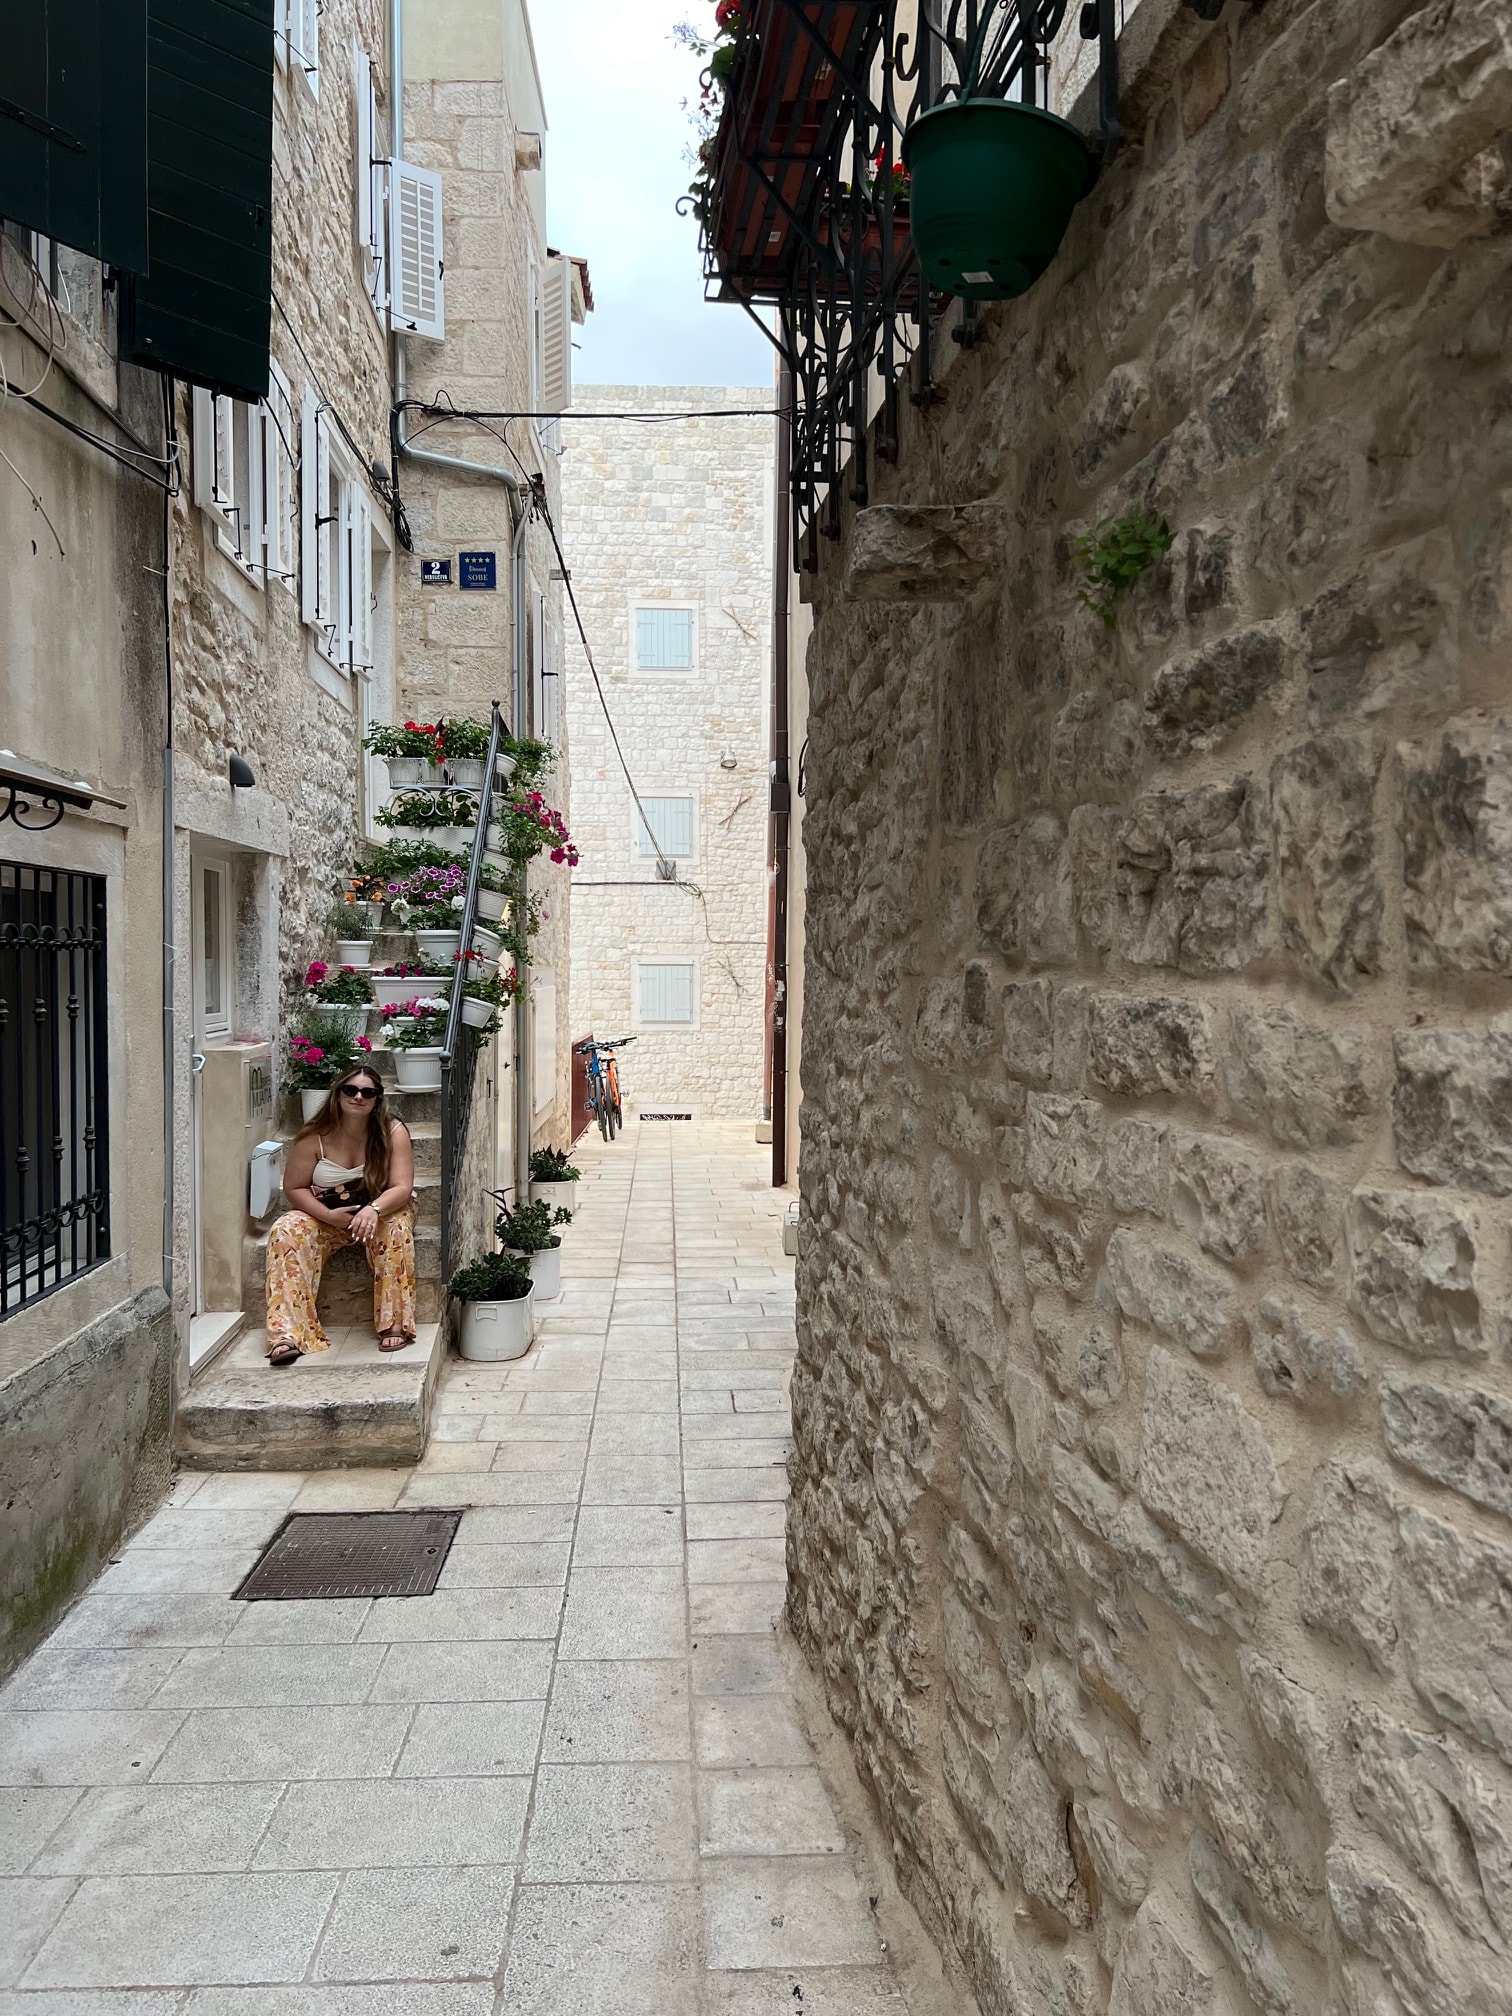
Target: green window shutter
{"x": 73, "y": 124}
{"x": 203, "y": 310}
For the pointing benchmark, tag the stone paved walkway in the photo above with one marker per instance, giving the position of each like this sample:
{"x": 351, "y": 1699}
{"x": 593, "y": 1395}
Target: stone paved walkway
{"x": 572, "y": 1781}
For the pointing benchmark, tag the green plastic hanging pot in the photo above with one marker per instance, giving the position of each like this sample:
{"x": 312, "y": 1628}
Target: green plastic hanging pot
{"x": 992, "y": 187}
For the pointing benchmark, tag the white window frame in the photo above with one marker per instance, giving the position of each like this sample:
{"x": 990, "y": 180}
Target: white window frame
{"x": 297, "y": 41}
{"x": 668, "y": 605}
{"x": 639, "y": 1021}
{"x": 244, "y": 477}
{"x": 336, "y": 546}
{"x": 218, "y": 1027}
{"x": 640, "y": 845}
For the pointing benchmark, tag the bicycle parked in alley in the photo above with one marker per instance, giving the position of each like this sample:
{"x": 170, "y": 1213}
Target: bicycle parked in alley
{"x": 603, "y": 1083}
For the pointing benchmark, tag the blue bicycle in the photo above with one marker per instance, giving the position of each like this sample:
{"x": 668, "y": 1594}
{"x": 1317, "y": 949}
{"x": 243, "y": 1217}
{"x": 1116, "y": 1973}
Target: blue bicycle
{"x": 603, "y": 1084}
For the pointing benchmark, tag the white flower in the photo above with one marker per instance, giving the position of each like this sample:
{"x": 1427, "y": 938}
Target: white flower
{"x": 430, "y": 1005}
{"x": 459, "y": 902}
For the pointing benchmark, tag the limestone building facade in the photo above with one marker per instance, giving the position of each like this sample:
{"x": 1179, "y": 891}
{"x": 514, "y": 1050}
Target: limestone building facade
{"x": 1150, "y": 1520}
{"x": 670, "y": 539}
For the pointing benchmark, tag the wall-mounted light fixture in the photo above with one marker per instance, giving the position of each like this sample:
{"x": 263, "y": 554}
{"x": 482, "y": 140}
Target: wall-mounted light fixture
{"x": 240, "y": 773}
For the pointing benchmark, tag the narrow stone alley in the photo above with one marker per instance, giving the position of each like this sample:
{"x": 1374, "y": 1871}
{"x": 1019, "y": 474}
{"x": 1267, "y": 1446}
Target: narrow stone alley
{"x": 572, "y": 1780}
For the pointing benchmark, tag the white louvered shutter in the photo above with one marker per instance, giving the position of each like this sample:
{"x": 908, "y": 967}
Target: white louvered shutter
{"x": 247, "y": 516}
{"x": 362, "y": 581}
{"x": 309, "y": 511}
{"x": 304, "y": 40}
{"x": 415, "y": 266}
{"x": 556, "y": 337}
{"x": 213, "y": 486}
{"x": 365, "y": 112}
{"x": 277, "y": 430}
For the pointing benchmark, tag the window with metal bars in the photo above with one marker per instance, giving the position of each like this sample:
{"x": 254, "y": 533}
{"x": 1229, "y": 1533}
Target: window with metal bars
{"x": 54, "y": 1148}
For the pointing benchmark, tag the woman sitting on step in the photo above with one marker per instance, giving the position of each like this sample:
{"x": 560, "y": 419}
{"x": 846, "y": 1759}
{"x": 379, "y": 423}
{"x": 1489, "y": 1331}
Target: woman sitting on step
{"x": 350, "y": 1178}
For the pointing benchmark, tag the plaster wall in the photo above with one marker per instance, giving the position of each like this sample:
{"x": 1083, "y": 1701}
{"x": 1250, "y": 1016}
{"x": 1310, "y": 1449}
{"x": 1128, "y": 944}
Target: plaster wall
{"x": 1150, "y": 1518}
{"x": 677, "y": 512}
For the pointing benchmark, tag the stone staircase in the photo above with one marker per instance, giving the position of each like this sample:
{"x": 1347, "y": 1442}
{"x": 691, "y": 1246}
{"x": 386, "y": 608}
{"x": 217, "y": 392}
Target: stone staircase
{"x": 351, "y": 1405}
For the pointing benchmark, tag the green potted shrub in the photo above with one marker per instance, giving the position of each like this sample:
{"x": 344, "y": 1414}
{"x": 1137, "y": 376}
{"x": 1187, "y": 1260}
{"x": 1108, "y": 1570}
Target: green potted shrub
{"x": 497, "y": 1318}
{"x": 486, "y": 992}
{"x": 464, "y": 750}
{"x": 552, "y": 1178}
{"x": 528, "y": 1230}
{"x": 436, "y": 814}
{"x": 355, "y": 931}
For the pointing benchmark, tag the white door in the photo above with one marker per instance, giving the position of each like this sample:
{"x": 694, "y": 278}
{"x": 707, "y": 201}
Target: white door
{"x": 210, "y": 906}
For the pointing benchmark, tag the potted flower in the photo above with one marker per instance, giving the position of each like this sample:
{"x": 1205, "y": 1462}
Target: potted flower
{"x": 342, "y": 994}
{"x": 317, "y": 1058}
{"x": 552, "y": 1177}
{"x": 527, "y": 1231}
{"x": 408, "y": 977}
{"x": 429, "y": 902}
{"x": 361, "y": 902}
{"x": 432, "y": 813}
{"x": 464, "y": 750}
{"x": 485, "y": 997}
{"x": 489, "y": 944}
{"x": 411, "y": 752}
{"x": 418, "y": 1045}
{"x": 354, "y": 933}
{"x": 498, "y": 1307}
{"x": 524, "y": 825}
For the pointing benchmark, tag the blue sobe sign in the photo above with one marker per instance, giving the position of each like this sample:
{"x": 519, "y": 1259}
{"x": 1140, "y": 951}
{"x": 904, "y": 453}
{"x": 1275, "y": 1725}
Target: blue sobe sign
{"x": 477, "y": 570}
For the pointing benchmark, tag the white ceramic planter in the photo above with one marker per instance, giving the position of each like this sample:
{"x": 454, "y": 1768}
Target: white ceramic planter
{"x": 560, "y": 1196}
{"x": 546, "y": 1273}
{"x": 492, "y": 904}
{"x": 456, "y": 839}
{"x": 354, "y": 951}
{"x": 495, "y": 1330}
{"x": 416, "y": 987}
{"x": 371, "y": 913}
{"x": 418, "y": 1070}
{"x": 341, "y": 1015}
{"x": 405, "y": 772}
{"x": 497, "y": 860}
{"x": 311, "y": 1103}
{"x": 476, "y": 1014}
{"x": 489, "y": 943}
{"x": 468, "y": 771}
{"x": 504, "y": 767}
{"x": 439, "y": 944}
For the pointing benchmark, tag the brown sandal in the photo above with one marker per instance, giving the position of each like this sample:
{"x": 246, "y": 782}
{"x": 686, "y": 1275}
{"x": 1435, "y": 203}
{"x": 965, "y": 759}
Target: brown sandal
{"x": 284, "y": 1354}
{"x": 394, "y": 1340}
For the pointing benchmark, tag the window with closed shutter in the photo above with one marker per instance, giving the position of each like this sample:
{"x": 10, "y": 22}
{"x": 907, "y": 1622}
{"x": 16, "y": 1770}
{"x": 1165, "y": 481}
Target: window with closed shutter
{"x": 369, "y": 183}
{"x": 556, "y": 336}
{"x": 663, "y": 639}
{"x": 417, "y": 295}
{"x": 666, "y": 991}
{"x": 202, "y": 310}
{"x": 671, "y": 824}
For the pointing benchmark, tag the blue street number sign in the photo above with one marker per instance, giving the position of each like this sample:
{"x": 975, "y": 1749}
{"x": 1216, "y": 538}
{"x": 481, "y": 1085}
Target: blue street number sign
{"x": 477, "y": 570}
{"x": 435, "y": 573}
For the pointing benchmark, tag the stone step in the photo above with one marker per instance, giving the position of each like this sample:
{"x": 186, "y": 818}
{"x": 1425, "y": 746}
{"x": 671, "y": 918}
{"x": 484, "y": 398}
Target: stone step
{"x": 346, "y": 1286}
{"x": 348, "y": 1407}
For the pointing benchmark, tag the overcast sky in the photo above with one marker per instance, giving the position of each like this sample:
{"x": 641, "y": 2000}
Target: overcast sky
{"x": 614, "y": 84}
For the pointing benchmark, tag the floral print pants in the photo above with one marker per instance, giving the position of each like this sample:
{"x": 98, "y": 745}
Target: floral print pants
{"x": 298, "y": 1249}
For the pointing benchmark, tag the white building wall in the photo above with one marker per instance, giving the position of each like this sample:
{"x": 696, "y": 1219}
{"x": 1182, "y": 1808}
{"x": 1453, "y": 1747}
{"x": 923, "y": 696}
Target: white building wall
{"x": 675, "y": 513}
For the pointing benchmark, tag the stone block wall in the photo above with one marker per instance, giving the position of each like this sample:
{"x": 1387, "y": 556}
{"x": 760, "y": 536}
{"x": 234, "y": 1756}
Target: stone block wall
{"x": 678, "y": 512}
{"x": 1151, "y": 1526}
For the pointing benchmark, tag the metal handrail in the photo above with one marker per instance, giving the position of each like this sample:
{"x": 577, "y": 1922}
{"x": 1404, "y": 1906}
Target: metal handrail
{"x": 459, "y": 1073}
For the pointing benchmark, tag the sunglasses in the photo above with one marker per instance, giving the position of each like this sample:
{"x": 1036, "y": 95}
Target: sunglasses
{"x": 358, "y": 1092}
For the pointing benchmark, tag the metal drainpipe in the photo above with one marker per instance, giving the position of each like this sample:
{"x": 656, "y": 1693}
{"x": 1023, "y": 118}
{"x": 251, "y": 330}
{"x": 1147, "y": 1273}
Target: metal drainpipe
{"x": 519, "y": 514}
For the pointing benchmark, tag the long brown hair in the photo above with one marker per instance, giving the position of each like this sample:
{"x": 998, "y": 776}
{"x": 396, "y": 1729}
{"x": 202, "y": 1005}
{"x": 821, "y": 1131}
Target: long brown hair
{"x": 375, "y": 1160}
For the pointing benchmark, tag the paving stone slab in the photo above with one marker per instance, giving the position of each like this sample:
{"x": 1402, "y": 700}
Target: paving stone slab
{"x": 157, "y": 1931}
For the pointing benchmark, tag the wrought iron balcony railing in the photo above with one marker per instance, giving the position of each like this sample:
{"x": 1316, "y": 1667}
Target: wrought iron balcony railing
{"x": 807, "y": 210}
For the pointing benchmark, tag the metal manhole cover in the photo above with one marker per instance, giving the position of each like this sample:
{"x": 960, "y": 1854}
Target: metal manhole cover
{"x": 322, "y": 1554}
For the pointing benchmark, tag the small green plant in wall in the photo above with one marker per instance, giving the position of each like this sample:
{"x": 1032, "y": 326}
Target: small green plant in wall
{"x": 1114, "y": 554}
